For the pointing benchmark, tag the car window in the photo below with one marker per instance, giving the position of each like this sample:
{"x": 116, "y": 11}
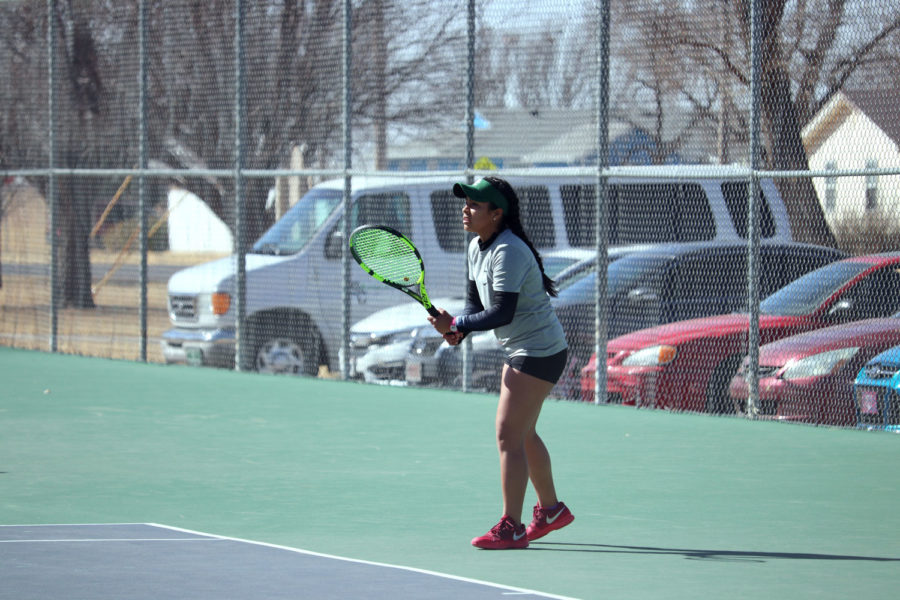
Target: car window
{"x": 446, "y": 214}
{"x": 388, "y": 208}
{"x": 639, "y": 213}
{"x": 296, "y": 228}
{"x": 535, "y": 214}
{"x": 807, "y": 293}
{"x": 737, "y": 196}
{"x": 702, "y": 287}
{"x": 579, "y": 212}
{"x": 878, "y": 295}
{"x": 779, "y": 265}
{"x": 659, "y": 212}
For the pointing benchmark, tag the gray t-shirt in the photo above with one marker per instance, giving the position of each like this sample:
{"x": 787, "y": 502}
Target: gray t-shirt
{"x": 508, "y": 265}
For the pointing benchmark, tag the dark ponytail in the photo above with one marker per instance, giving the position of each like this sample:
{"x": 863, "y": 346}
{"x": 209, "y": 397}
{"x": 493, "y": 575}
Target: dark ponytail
{"x": 513, "y": 221}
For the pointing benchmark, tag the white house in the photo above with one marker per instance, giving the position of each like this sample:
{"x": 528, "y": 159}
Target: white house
{"x": 194, "y": 227}
{"x": 856, "y": 130}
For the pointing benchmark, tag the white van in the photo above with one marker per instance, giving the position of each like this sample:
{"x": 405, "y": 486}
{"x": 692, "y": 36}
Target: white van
{"x": 294, "y": 271}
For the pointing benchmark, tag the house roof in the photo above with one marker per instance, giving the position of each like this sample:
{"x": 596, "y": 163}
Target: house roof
{"x": 525, "y": 137}
{"x": 881, "y": 107}
{"x": 507, "y": 134}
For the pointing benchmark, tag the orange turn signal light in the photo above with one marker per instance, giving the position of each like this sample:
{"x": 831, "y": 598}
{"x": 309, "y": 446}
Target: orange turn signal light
{"x": 221, "y": 302}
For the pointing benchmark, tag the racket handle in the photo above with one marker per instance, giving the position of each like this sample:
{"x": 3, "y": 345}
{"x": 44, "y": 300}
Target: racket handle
{"x": 433, "y": 311}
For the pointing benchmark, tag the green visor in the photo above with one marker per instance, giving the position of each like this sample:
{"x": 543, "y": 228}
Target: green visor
{"x": 481, "y": 191}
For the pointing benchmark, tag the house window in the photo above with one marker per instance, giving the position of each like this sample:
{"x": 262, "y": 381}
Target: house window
{"x": 871, "y": 186}
{"x": 830, "y": 188}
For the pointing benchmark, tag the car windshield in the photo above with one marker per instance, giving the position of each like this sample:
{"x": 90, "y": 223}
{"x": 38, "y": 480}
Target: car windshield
{"x": 807, "y": 293}
{"x": 554, "y": 265}
{"x": 621, "y": 275}
{"x": 294, "y": 230}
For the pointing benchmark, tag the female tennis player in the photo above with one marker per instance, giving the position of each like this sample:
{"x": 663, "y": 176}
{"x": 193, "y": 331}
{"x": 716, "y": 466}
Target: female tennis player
{"x": 509, "y": 293}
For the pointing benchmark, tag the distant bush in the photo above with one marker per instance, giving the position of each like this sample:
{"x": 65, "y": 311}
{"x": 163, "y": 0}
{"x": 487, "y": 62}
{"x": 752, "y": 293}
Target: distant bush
{"x": 869, "y": 233}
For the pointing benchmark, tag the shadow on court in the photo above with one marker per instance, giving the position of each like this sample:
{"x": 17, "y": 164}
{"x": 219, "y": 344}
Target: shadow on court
{"x": 735, "y": 555}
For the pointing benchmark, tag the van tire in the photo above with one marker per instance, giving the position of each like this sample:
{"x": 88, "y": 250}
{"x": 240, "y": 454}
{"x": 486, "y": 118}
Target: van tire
{"x": 285, "y": 345}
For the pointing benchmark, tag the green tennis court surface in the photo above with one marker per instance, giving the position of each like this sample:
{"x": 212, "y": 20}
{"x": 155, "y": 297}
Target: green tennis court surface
{"x": 666, "y": 505}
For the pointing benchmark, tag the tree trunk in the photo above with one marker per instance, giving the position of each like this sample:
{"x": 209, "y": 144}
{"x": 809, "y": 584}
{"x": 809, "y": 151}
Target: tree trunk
{"x": 787, "y": 152}
{"x": 73, "y": 243}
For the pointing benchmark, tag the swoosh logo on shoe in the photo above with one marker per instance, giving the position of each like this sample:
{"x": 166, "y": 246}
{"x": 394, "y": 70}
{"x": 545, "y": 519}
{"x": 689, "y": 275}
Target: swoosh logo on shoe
{"x": 556, "y": 516}
{"x": 518, "y": 536}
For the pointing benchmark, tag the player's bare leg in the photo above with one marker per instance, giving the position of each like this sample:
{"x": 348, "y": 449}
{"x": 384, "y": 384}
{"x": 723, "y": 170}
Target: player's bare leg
{"x": 521, "y": 398}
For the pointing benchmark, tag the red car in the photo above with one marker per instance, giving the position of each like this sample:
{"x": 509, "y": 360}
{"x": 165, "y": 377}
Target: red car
{"x": 809, "y": 377}
{"x": 688, "y": 365}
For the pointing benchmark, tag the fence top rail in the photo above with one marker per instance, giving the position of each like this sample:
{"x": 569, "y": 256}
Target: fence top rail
{"x": 632, "y": 172}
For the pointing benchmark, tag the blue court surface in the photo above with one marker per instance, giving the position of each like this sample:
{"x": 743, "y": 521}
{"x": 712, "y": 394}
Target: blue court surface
{"x": 149, "y": 561}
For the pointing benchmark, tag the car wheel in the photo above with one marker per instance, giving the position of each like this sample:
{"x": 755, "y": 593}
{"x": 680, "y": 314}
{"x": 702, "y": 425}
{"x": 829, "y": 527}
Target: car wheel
{"x": 718, "y": 402}
{"x": 285, "y": 350}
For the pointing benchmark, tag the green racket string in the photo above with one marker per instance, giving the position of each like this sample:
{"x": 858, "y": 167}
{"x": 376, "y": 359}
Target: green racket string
{"x": 387, "y": 256}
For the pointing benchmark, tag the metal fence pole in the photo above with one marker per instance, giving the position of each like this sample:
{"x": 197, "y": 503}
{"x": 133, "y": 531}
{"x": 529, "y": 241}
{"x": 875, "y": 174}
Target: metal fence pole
{"x": 470, "y": 164}
{"x": 52, "y": 196}
{"x": 242, "y": 351}
{"x": 602, "y": 211}
{"x": 753, "y": 208}
{"x": 348, "y": 188}
{"x": 142, "y": 164}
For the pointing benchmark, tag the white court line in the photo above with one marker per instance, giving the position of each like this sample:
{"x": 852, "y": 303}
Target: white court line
{"x": 210, "y": 537}
{"x": 83, "y": 540}
{"x": 510, "y": 589}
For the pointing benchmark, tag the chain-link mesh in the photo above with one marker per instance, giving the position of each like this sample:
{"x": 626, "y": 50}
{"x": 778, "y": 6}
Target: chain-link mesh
{"x": 177, "y": 176}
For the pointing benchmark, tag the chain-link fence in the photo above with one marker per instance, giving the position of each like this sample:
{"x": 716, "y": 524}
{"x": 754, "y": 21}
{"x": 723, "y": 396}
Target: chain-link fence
{"x": 180, "y": 180}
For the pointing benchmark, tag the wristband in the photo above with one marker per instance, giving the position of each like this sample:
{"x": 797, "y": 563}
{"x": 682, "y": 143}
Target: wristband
{"x": 453, "y": 327}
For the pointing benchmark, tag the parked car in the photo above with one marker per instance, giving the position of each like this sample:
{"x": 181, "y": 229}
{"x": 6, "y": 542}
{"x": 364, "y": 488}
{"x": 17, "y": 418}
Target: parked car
{"x": 443, "y": 364}
{"x": 876, "y": 392}
{"x": 676, "y": 282}
{"x": 381, "y": 343}
{"x": 294, "y": 276}
{"x": 809, "y": 377}
{"x": 688, "y": 365}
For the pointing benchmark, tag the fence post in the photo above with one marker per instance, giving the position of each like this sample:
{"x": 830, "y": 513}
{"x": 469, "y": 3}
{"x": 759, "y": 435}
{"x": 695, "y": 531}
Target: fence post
{"x": 470, "y": 164}
{"x": 51, "y": 177}
{"x": 242, "y": 351}
{"x": 142, "y": 165}
{"x": 601, "y": 331}
{"x": 753, "y": 208}
{"x": 348, "y": 188}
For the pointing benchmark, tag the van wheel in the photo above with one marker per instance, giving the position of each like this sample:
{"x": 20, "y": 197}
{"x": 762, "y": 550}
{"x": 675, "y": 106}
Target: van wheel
{"x": 718, "y": 401}
{"x": 288, "y": 352}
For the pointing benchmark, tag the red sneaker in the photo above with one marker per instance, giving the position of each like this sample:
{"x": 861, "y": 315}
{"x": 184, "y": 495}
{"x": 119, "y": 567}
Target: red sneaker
{"x": 505, "y": 535}
{"x": 548, "y": 519}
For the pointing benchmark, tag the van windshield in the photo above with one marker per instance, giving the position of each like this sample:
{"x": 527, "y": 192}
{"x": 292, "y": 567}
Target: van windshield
{"x": 298, "y": 225}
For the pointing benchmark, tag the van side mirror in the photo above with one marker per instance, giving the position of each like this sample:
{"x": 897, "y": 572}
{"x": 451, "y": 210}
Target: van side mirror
{"x": 334, "y": 244}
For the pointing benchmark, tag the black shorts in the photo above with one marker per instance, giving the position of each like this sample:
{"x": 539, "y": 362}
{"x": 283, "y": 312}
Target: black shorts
{"x": 548, "y": 368}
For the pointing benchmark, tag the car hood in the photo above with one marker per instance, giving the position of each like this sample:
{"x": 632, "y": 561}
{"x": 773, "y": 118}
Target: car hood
{"x": 680, "y": 332}
{"x": 405, "y": 316}
{"x": 216, "y": 275}
{"x": 888, "y": 357}
{"x": 865, "y": 334}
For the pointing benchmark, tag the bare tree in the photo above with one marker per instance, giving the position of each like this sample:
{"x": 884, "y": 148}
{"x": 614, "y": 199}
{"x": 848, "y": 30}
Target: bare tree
{"x": 810, "y": 49}
{"x": 293, "y": 55}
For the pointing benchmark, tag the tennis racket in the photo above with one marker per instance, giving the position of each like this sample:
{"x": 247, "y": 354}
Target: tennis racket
{"x": 391, "y": 258}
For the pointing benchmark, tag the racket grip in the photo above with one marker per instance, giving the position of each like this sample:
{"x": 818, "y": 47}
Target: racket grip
{"x": 433, "y": 311}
